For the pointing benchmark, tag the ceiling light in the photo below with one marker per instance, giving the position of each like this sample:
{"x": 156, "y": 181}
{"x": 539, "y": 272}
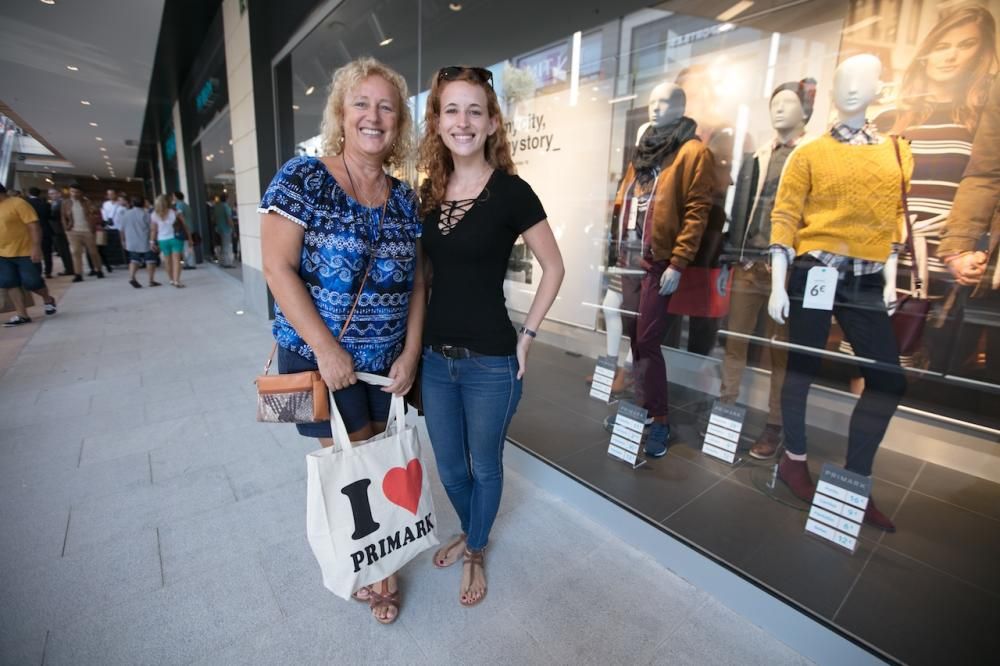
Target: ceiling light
{"x": 310, "y": 90}
{"x": 99, "y": 138}
{"x": 735, "y": 10}
{"x": 455, "y": 6}
{"x": 230, "y": 142}
{"x": 48, "y": 2}
{"x": 295, "y": 107}
{"x": 103, "y": 149}
{"x": 380, "y": 36}
{"x": 73, "y": 68}
{"x": 84, "y": 102}
{"x": 93, "y": 124}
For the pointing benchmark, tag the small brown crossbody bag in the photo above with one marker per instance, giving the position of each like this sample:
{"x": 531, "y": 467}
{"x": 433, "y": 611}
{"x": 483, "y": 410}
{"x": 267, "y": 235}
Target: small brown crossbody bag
{"x": 302, "y": 397}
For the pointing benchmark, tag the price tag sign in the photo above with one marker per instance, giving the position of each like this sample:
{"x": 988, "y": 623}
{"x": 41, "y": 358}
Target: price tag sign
{"x": 626, "y": 438}
{"x": 821, "y": 287}
{"x": 604, "y": 375}
{"x": 838, "y": 507}
{"x": 722, "y": 436}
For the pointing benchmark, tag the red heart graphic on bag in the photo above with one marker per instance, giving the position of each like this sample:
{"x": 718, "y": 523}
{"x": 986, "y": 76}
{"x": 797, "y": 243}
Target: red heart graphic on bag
{"x": 402, "y": 487}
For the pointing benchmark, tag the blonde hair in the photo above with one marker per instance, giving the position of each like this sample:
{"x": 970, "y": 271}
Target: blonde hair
{"x": 162, "y": 206}
{"x": 435, "y": 157}
{"x": 346, "y": 79}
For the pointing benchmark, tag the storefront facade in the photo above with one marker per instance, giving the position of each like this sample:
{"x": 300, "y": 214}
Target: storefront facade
{"x": 576, "y": 81}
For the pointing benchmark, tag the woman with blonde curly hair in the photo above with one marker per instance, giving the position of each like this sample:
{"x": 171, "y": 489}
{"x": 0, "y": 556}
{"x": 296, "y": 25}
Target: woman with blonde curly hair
{"x": 474, "y": 207}
{"x": 342, "y": 258}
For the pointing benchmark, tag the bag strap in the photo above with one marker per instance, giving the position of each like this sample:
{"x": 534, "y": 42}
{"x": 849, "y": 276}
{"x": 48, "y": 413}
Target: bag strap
{"x": 397, "y": 414}
{"x": 917, "y": 281}
{"x": 364, "y": 279}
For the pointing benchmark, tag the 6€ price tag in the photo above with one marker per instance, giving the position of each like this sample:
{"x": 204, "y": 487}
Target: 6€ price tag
{"x": 821, "y": 287}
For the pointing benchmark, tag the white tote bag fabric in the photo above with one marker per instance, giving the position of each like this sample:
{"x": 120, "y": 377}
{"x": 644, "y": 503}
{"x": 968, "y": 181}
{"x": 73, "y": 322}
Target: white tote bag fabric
{"x": 368, "y": 506}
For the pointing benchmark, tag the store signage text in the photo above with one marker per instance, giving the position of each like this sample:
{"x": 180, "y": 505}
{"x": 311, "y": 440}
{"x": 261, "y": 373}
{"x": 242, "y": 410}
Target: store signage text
{"x": 207, "y": 94}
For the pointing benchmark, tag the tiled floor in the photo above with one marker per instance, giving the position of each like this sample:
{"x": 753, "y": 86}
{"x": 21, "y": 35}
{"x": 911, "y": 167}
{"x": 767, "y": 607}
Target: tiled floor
{"x": 927, "y": 594}
{"x": 147, "y": 519}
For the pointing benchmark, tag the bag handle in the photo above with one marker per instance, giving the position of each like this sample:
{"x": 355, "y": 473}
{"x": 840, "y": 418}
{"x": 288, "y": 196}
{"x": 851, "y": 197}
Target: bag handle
{"x": 397, "y": 413}
{"x": 917, "y": 280}
{"x": 357, "y": 296}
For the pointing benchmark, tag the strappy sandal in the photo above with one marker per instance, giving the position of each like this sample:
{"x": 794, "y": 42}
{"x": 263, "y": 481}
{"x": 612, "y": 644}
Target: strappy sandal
{"x": 442, "y": 552}
{"x": 473, "y": 560}
{"x": 382, "y": 599}
{"x": 363, "y": 594}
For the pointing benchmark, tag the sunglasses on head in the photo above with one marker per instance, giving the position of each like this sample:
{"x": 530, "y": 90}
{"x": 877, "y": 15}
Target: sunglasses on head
{"x": 481, "y": 74}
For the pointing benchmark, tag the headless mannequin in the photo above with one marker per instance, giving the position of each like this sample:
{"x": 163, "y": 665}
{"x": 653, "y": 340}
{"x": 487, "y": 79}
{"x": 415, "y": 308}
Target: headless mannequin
{"x": 839, "y": 240}
{"x": 788, "y": 118}
{"x": 660, "y": 113}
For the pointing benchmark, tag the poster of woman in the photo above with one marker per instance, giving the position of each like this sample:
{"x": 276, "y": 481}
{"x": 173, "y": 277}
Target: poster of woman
{"x": 940, "y": 59}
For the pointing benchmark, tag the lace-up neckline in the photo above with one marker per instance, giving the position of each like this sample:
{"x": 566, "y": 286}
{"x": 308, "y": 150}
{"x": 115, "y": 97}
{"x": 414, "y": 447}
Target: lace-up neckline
{"x": 454, "y": 211}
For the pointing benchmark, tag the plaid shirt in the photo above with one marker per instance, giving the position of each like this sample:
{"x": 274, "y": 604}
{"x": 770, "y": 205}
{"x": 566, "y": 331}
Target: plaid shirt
{"x": 865, "y": 135}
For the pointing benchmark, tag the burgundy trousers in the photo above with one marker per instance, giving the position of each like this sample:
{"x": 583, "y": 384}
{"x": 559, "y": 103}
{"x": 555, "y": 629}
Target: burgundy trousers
{"x": 647, "y": 356}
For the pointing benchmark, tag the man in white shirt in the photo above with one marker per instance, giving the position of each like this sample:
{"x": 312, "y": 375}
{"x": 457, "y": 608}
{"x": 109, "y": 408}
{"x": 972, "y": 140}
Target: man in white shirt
{"x": 111, "y": 250}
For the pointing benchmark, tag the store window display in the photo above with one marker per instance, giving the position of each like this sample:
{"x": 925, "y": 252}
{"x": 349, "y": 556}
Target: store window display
{"x": 838, "y": 221}
{"x": 746, "y": 257}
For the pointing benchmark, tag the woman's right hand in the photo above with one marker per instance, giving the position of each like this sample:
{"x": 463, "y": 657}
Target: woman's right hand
{"x": 336, "y": 366}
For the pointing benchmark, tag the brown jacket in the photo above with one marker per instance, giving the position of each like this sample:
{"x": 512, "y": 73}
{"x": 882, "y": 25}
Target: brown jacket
{"x": 680, "y": 203}
{"x": 976, "y": 209}
{"x": 66, "y": 211}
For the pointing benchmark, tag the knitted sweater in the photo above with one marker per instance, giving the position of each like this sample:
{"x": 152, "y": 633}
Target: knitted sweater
{"x": 842, "y": 199}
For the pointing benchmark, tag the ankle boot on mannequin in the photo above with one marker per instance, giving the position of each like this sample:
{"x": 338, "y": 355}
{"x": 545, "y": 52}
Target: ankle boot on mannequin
{"x": 795, "y": 475}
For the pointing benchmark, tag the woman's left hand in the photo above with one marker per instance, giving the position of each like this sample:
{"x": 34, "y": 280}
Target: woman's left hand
{"x": 402, "y": 373}
{"x": 523, "y": 345}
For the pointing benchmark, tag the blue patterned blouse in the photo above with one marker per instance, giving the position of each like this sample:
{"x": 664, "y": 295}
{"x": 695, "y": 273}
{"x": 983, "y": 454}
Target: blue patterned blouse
{"x": 341, "y": 235}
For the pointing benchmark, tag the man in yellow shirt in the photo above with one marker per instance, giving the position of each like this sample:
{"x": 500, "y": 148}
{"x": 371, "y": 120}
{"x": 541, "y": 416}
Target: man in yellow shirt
{"x": 21, "y": 256}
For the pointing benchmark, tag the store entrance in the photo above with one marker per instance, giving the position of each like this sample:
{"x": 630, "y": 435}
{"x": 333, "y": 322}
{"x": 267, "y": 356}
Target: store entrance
{"x": 220, "y": 238}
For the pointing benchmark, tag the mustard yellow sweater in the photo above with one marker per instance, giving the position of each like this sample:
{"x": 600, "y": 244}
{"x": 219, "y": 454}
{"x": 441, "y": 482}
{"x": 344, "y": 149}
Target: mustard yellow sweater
{"x": 841, "y": 198}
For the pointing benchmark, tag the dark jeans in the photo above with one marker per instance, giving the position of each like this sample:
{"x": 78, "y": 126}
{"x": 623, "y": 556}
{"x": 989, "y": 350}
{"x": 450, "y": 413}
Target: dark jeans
{"x": 647, "y": 356}
{"x": 861, "y": 313}
{"x": 61, "y": 244}
{"x": 468, "y": 404}
{"x": 47, "y": 247}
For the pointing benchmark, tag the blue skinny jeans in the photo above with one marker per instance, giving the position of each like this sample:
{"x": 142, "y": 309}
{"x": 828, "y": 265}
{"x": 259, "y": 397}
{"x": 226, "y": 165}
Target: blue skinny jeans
{"x": 468, "y": 404}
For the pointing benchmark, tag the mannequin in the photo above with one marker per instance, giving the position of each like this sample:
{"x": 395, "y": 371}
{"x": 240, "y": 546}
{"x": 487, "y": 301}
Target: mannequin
{"x": 746, "y": 253}
{"x": 625, "y": 247}
{"x": 838, "y": 214}
{"x": 676, "y": 169}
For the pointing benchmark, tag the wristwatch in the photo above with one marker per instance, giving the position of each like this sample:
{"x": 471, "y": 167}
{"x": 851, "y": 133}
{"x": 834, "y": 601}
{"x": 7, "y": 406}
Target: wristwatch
{"x": 527, "y": 331}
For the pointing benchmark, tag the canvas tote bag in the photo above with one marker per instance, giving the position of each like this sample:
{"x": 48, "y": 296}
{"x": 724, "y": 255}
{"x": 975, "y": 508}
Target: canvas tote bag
{"x": 368, "y": 505}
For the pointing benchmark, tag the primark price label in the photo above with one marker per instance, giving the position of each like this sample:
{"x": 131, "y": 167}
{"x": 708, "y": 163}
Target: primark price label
{"x": 838, "y": 507}
{"x": 626, "y": 438}
{"x": 604, "y": 375}
{"x": 722, "y": 437}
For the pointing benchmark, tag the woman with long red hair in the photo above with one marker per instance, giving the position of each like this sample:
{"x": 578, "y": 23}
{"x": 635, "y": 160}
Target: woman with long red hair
{"x": 473, "y": 208}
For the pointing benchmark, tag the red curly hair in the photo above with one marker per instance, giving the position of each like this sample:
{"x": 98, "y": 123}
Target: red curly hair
{"x": 434, "y": 158}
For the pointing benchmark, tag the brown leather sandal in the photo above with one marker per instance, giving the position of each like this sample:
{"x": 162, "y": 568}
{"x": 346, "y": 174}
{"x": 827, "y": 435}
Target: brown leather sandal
{"x": 443, "y": 551}
{"x": 473, "y": 560}
{"x": 381, "y": 600}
